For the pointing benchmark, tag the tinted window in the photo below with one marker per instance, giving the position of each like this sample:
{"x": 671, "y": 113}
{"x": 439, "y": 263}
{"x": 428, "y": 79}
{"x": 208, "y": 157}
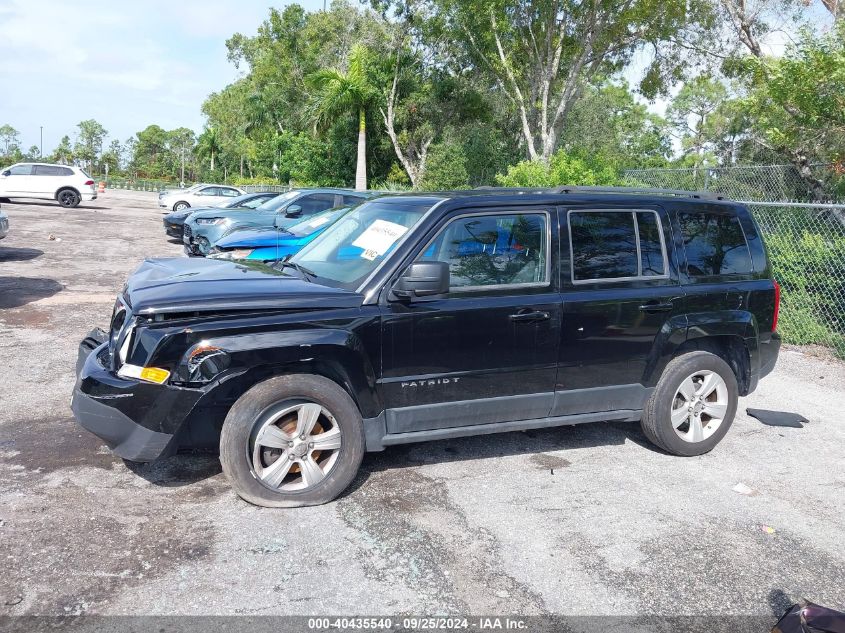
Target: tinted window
{"x": 51, "y": 170}
{"x": 492, "y": 250}
{"x": 651, "y": 244}
{"x": 349, "y": 201}
{"x": 20, "y": 170}
{"x": 604, "y": 244}
{"x": 225, "y": 191}
{"x": 316, "y": 202}
{"x": 714, "y": 244}
{"x": 209, "y": 191}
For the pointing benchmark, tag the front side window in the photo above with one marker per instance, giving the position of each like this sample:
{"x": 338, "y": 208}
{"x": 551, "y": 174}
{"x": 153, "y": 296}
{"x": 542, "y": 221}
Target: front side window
{"x": 20, "y": 170}
{"x": 493, "y": 250}
{"x": 611, "y": 245}
{"x": 277, "y": 202}
{"x": 714, "y": 244}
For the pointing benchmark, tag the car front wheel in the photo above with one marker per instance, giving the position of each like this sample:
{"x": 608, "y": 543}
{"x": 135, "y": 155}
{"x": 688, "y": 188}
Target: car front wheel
{"x": 693, "y": 405}
{"x": 180, "y": 206}
{"x": 290, "y": 441}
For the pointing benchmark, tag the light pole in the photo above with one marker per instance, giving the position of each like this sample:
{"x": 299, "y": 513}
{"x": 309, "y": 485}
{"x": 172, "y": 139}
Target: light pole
{"x": 41, "y": 150}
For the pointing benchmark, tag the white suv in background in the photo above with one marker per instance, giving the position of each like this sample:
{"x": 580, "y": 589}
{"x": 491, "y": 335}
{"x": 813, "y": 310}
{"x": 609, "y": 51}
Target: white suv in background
{"x": 197, "y": 196}
{"x": 67, "y": 184}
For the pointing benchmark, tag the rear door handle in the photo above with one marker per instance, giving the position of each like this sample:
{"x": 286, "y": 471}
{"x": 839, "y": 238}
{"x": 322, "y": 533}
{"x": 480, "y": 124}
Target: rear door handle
{"x": 527, "y": 315}
{"x": 654, "y": 306}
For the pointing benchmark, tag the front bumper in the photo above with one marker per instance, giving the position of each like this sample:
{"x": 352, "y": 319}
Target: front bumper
{"x": 137, "y": 420}
{"x": 173, "y": 230}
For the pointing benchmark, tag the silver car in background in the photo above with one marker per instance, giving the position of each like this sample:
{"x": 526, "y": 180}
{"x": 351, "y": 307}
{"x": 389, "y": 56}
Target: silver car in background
{"x": 197, "y": 196}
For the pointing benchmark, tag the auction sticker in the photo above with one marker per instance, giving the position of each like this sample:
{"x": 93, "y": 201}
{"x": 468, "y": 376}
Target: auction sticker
{"x": 378, "y": 238}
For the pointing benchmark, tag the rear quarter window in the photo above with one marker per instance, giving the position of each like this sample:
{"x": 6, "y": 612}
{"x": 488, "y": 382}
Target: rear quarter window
{"x": 714, "y": 244}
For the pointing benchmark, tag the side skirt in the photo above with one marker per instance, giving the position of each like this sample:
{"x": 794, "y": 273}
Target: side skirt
{"x": 377, "y": 438}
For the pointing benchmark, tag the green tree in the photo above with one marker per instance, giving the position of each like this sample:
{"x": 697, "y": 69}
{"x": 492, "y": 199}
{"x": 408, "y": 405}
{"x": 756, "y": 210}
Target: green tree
{"x": 796, "y": 103}
{"x": 697, "y": 115}
{"x": 562, "y": 169}
{"x": 542, "y": 54}
{"x": 89, "y": 142}
{"x": 33, "y": 153}
{"x": 113, "y": 156}
{"x": 340, "y": 93}
{"x": 9, "y": 140}
{"x": 446, "y": 168}
{"x": 63, "y": 154}
{"x": 208, "y": 145}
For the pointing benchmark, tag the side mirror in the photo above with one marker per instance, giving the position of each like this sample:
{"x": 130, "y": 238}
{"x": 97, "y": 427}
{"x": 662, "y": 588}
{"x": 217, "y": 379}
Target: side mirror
{"x": 6, "y": 173}
{"x": 293, "y": 211}
{"x": 423, "y": 279}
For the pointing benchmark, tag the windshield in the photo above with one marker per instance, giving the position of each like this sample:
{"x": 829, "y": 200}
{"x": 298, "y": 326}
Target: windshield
{"x": 247, "y": 201}
{"x": 316, "y": 222}
{"x": 274, "y": 204}
{"x": 348, "y": 251}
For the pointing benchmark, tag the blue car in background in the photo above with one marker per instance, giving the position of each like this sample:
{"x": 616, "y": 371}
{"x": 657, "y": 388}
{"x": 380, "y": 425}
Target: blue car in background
{"x": 270, "y": 243}
{"x": 203, "y": 229}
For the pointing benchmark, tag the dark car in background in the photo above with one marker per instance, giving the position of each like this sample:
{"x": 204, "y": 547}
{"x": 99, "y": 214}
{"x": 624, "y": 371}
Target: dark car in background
{"x": 435, "y": 316}
{"x": 4, "y": 224}
{"x": 175, "y": 220}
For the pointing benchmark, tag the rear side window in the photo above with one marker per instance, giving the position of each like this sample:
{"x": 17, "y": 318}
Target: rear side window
{"x": 51, "y": 170}
{"x": 316, "y": 202}
{"x": 714, "y": 244}
{"x": 614, "y": 245}
{"x": 349, "y": 201}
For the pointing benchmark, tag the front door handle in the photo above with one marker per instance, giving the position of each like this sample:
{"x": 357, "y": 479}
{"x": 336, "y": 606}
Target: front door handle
{"x": 527, "y": 315}
{"x": 654, "y": 306}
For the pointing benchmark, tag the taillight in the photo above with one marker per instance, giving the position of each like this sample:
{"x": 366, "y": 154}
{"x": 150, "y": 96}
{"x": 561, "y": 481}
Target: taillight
{"x": 777, "y": 305}
{"x": 89, "y": 182}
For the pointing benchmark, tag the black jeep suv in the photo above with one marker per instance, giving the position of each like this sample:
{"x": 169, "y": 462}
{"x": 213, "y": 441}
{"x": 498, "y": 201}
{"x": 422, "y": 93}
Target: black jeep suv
{"x": 433, "y": 316}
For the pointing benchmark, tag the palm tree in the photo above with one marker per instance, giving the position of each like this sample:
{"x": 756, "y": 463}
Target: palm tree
{"x": 340, "y": 93}
{"x": 208, "y": 144}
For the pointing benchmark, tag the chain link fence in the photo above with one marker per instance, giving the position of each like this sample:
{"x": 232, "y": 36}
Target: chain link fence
{"x": 806, "y": 242}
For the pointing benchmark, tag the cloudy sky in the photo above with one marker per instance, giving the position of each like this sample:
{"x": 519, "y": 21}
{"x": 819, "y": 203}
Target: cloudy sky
{"x": 130, "y": 64}
{"x": 126, "y": 64}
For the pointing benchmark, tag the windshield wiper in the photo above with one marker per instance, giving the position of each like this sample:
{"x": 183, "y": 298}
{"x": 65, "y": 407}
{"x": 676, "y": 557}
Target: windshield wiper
{"x": 304, "y": 272}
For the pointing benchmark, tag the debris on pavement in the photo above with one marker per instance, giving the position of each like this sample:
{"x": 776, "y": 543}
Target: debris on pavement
{"x": 742, "y": 489}
{"x": 778, "y": 418}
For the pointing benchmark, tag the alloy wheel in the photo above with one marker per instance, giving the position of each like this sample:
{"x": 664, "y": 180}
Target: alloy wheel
{"x": 699, "y": 406}
{"x": 295, "y": 446}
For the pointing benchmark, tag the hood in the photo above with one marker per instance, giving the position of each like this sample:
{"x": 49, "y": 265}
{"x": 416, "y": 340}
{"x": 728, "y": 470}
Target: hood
{"x": 223, "y": 213}
{"x": 251, "y": 238}
{"x": 182, "y": 284}
{"x": 181, "y": 216}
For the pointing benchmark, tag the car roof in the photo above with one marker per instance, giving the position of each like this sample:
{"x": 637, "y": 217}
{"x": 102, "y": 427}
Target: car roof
{"x": 567, "y": 194}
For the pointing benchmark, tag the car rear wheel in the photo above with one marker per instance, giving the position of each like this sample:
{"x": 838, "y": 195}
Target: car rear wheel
{"x": 68, "y": 198}
{"x": 292, "y": 441}
{"x": 180, "y": 206}
{"x": 693, "y": 405}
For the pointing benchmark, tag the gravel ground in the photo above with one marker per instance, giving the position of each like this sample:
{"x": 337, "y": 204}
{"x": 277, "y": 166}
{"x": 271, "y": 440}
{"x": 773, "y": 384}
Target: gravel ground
{"x": 580, "y": 520}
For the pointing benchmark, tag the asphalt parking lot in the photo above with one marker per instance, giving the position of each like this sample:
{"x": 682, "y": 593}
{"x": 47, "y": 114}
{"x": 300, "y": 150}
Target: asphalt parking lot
{"x": 580, "y": 520}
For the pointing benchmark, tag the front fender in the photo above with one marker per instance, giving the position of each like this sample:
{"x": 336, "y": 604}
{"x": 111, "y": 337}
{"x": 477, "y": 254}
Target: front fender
{"x": 339, "y": 354}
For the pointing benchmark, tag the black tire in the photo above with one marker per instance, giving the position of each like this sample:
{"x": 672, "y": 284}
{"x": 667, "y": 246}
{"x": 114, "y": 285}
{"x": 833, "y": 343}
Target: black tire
{"x": 657, "y": 418}
{"x": 244, "y": 419}
{"x": 68, "y": 198}
{"x": 181, "y": 206}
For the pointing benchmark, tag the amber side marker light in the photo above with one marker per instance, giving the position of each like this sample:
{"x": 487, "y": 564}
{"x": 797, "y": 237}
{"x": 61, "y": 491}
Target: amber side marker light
{"x": 155, "y": 374}
{"x": 150, "y": 374}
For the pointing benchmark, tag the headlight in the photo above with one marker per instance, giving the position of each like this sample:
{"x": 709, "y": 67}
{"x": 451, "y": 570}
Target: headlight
{"x": 238, "y": 253}
{"x": 211, "y": 220}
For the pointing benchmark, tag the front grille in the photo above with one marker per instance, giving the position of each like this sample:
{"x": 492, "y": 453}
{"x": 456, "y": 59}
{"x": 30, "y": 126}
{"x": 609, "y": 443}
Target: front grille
{"x": 186, "y": 231}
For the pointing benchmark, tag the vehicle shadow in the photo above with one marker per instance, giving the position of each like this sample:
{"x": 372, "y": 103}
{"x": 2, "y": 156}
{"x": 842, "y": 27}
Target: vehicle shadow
{"x": 536, "y": 443}
{"x": 184, "y": 469}
{"x": 9, "y": 254}
{"x": 19, "y": 291}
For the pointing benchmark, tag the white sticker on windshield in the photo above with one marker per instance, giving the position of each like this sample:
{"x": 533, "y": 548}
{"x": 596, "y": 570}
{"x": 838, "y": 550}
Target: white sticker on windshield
{"x": 318, "y": 222}
{"x": 378, "y": 238}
